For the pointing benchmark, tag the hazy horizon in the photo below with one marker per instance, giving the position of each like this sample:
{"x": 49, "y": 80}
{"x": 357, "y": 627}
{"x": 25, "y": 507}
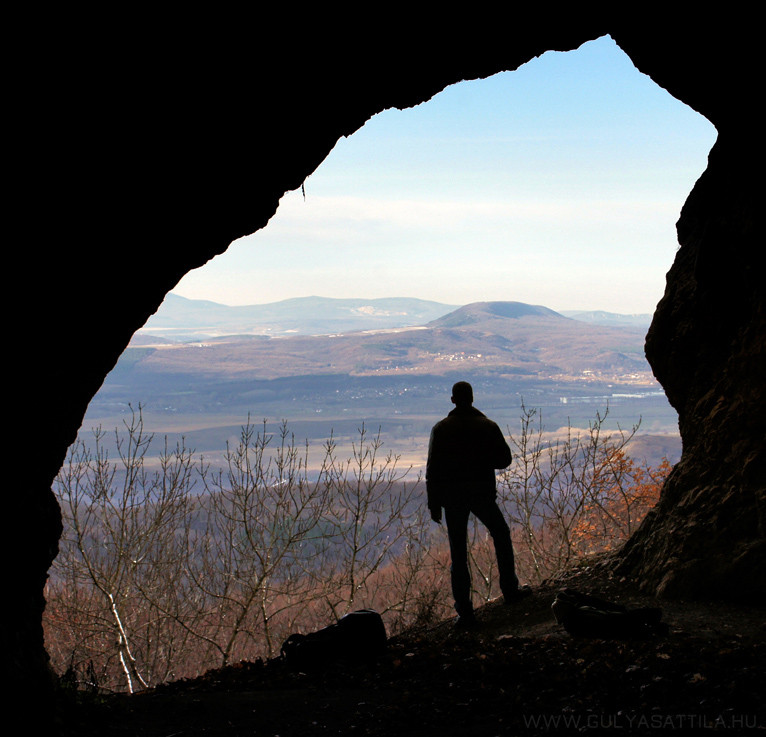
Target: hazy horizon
{"x": 388, "y": 296}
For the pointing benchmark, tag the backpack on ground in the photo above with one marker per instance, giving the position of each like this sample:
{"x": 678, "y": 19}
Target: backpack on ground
{"x": 583, "y": 615}
{"x": 357, "y": 637}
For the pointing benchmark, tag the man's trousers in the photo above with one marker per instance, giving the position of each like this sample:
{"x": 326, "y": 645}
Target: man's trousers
{"x": 488, "y": 513}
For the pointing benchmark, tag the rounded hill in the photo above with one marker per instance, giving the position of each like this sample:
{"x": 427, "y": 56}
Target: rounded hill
{"x": 478, "y": 312}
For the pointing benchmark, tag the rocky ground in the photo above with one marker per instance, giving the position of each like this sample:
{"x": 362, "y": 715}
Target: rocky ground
{"x": 519, "y": 673}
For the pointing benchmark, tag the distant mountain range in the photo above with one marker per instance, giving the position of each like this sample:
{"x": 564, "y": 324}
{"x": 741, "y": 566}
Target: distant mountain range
{"x": 599, "y": 317}
{"x": 188, "y": 319}
{"x": 495, "y": 337}
{"x": 183, "y": 320}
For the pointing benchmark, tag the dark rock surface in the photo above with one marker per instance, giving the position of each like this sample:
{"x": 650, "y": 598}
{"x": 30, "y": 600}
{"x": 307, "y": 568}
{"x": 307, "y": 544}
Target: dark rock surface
{"x": 707, "y": 347}
{"x": 142, "y": 148}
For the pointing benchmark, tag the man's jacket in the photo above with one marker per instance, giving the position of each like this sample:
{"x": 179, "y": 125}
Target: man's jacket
{"x": 464, "y": 450}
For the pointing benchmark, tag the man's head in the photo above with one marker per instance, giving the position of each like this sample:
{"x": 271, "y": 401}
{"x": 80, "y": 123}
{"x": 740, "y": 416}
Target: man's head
{"x": 462, "y": 394}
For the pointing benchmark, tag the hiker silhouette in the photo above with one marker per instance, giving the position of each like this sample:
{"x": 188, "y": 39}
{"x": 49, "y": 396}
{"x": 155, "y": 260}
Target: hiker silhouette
{"x": 464, "y": 450}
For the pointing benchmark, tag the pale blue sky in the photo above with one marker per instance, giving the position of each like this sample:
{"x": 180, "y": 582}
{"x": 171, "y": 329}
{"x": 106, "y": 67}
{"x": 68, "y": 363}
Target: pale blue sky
{"x": 558, "y": 184}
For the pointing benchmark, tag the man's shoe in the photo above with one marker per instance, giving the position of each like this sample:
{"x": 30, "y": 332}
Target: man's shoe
{"x": 521, "y": 593}
{"x": 467, "y": 622}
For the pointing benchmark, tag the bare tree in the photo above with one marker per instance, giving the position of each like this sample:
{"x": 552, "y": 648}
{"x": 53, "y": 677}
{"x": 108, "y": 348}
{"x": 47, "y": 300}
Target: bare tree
{"x": 553, "y": 482}
{"x": 368, "y": 518}
{"x": 121, "y": 523}
{"x": 265, "y": 525}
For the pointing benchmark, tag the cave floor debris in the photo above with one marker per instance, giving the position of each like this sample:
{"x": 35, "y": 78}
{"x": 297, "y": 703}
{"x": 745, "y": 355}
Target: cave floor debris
{"x": 519, "y": 672}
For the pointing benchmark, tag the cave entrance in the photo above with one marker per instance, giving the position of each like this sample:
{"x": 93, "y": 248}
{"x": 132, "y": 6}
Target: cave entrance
{"x": 445, "y": 202}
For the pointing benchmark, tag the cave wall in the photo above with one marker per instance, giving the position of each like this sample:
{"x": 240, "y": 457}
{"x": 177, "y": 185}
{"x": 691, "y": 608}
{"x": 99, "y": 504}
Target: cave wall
{"x": 706, "y": 345}
{"x": 707, "y": 341}
{"x": 144, "y": 150}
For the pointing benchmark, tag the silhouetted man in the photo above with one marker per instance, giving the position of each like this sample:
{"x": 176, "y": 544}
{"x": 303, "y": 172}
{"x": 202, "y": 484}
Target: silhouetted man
{"x": 464, "y": 450}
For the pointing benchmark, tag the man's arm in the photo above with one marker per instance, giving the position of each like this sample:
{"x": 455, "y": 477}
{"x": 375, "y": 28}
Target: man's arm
{"x": 501, "y": 455}
{"x": 434, "y": 503}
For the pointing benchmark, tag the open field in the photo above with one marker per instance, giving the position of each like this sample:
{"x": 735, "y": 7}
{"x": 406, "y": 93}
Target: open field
{"x": 403, "y": 415}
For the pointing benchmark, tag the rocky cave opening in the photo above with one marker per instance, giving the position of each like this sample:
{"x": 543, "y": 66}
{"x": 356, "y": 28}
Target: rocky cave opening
{"x": 168, "y": 175}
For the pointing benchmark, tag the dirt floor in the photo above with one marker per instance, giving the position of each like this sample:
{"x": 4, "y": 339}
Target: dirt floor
{"x": 519, "y": 673}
